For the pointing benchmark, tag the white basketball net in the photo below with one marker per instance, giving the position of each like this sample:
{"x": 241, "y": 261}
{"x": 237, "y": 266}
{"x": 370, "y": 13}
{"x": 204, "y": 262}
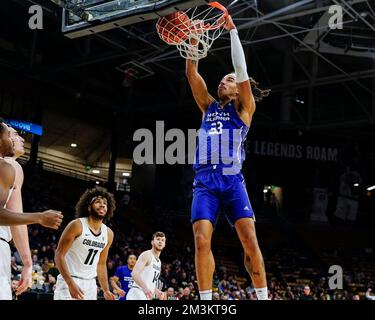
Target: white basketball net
{"x": 197, "y": 35}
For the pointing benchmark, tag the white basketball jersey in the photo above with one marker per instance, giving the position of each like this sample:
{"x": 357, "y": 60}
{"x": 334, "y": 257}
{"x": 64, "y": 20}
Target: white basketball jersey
{"x": 5, "y": 230}
{"x": 83, "y": 256}
{"x": 151, "y": 273}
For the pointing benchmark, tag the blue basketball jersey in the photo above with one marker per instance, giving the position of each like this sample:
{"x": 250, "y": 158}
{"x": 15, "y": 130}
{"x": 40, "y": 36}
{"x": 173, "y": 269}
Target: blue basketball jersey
{"x": 125, "y": 277}
{"x": 221, "y": 140}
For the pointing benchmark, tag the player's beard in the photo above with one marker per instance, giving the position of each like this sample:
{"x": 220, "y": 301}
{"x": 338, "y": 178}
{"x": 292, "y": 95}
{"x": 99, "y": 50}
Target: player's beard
{"x": 95, "y": 215}
{"x": 157, "y": 249}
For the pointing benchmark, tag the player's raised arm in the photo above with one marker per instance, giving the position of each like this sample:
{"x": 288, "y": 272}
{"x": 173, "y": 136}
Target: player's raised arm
{"x": 143, "y": 261}
{"x": 71, "y": 232}
{"x": 248, "y": 91}
{"x": 246, "y": 98}
{"x": 102, "y": 269}
{"x": 198, "y": 86}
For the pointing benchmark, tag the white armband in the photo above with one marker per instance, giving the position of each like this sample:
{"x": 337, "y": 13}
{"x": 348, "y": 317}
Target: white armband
{"x": 238, "y": 57}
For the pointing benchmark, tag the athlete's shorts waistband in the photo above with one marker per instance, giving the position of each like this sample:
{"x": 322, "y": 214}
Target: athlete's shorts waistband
{"x": 208, "y": 169}
{"x": 214, "y": 169}
{"x": 135, "y": 287}
{"x": 83, "y": 278}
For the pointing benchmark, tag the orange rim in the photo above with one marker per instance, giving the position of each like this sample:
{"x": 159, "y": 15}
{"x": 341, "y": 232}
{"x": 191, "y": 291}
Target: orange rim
{"x": 219, "y": 6}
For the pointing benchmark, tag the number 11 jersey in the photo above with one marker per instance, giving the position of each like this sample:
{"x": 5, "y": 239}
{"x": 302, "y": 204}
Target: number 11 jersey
{"x": 83, "y": 256}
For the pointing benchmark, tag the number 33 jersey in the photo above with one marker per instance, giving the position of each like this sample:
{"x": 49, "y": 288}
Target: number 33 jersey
{"x": 83, "y": 256}
{"x": 221, "y": 139}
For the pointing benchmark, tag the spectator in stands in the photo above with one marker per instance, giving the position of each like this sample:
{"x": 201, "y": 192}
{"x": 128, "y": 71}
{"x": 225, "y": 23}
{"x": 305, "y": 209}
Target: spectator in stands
{"x": 306, "y": 294}
{"x": 173, "y": 283}
{"x": 215, "y": 296}
{"x": 325, "y": 296}
{"x": 186, "y": 295}
{"x": 45, "y": 265}
{"x": 236, "y": 295}
{"x": 14, "y": 286}
{"x": 171, "y": 294}
{"x": 180, "y": 293}
{"x": 38, "y": 281}
{"x": 36, "y": 264}
{"x": 224, "y": 297}
{"x": 50, "y": 284}
{"x": 125, "y": 200}
{"x": 289, "y": 294}
{"x": 368, "y": 294}
{"x": 52, "y": 269}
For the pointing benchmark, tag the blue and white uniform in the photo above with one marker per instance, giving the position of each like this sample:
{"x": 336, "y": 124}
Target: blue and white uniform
{"x": 124, "y": 274}
{"x": 220, "y": 153}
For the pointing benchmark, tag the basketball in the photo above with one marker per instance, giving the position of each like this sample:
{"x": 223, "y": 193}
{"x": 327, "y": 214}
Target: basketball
{"x": 173, "y": 28}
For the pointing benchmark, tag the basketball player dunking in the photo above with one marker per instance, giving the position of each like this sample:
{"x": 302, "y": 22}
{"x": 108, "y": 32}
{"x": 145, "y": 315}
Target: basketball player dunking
{"x": 147, "y": 270}
{"x": 220, "y": 184}
{"x": 82, "y": 252}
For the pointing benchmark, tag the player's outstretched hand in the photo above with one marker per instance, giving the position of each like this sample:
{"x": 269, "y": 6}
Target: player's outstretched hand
{"x": 229, "y": 24}
{"x": 51, "y": 219}
{"x": 108, "y": 295}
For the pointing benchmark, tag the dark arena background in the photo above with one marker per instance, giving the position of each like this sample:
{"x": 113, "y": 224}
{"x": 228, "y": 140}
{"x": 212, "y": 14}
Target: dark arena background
{"x": 78, "y": 90}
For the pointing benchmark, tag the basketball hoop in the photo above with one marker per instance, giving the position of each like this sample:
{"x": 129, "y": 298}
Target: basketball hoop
{"x": 193, "y": 31}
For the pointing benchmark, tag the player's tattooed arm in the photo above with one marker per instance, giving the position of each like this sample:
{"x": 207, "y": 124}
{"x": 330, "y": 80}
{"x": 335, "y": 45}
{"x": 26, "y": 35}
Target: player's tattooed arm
{"x": 198, "y": 86}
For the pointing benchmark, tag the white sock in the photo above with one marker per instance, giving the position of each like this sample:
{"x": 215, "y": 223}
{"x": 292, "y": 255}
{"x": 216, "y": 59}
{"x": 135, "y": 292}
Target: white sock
{"x": 262, "y": 293}
{"x": 205, "y": 295}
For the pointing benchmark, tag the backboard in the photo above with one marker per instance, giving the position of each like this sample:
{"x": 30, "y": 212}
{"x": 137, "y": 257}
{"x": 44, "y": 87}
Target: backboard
{"x": 84, "y": 17}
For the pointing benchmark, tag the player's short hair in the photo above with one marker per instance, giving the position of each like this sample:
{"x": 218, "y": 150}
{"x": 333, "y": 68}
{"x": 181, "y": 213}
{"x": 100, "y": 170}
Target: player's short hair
{"x": 158, "y": 234}
{"x": 87, "y": 199}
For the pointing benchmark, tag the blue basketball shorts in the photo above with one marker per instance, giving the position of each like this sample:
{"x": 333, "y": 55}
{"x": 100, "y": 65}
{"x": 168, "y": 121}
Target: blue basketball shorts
{"x": 214, "y": 192}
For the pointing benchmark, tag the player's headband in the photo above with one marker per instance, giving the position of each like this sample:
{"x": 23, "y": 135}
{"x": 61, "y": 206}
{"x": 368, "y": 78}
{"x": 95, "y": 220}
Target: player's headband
{"x": 97, "y": 197}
